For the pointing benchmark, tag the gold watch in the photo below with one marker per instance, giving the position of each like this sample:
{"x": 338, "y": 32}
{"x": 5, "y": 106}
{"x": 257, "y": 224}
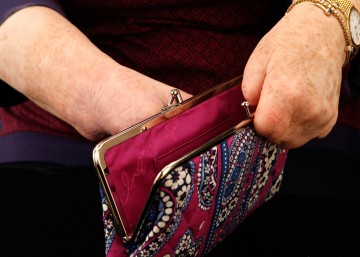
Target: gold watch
{"x": 352, "y": 18}
{"x": 347, "y": 15}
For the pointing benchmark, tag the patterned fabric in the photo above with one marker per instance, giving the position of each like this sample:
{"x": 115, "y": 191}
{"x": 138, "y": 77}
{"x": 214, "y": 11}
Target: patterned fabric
{"x": 203, "y": 200}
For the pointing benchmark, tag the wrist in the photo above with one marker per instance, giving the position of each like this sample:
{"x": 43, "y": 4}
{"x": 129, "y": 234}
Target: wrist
{"x": 347, "y": 16}
{"x": 318, "y": 31}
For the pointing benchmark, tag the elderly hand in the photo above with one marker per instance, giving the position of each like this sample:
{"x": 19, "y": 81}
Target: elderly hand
{"x": 294, "y": 76}
{"x": 59, "y": 69}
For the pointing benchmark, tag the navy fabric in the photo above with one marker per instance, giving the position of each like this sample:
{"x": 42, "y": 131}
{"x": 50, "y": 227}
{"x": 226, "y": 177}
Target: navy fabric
{"x": 354, "y": 76}
{"x": 342, "y": 138}
{"x": 8, "y": 7}
{"x": 28, "y": 146}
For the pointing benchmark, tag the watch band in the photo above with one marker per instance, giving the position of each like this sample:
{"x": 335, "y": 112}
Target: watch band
{"x": 332, "y": 8}
{"x": 343, "y": 6}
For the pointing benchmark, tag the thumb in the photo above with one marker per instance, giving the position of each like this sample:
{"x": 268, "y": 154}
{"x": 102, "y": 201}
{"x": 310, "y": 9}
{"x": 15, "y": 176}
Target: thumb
{"x": 254, "y": 76}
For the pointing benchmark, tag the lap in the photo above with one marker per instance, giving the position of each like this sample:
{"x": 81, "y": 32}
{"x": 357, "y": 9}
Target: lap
{"x": 50, "y": 210}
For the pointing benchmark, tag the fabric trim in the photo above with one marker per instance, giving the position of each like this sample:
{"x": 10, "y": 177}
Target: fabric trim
{"x": 9, "y": 7}
{"x": 33, "y": 147}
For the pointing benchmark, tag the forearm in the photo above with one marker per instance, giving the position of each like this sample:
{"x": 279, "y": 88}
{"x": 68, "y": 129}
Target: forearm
{"x": 44, "y": 58}
{"x": 56, "y": 66}
{"x": 335, "y": 10}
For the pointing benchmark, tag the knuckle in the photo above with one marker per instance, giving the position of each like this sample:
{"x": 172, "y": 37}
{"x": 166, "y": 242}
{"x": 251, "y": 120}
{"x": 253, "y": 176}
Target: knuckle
{"x": 271, "y": 126}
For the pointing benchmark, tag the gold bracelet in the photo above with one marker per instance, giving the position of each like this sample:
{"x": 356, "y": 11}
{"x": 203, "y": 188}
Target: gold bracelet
{"x": 331, "y": 9}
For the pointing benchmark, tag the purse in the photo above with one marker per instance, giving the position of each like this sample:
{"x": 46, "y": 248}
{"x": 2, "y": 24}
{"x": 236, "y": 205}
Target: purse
{"x": 179, "y": 182}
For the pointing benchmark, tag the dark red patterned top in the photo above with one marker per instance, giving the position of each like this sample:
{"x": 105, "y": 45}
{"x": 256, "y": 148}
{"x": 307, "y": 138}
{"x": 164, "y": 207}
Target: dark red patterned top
{"x": 189, "y": 44}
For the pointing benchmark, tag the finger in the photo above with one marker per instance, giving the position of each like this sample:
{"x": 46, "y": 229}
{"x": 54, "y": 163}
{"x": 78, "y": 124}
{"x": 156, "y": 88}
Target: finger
{"x": 254, "y": 75}
{"x": 273, "y": 114}
{"x": 328, "y": 127}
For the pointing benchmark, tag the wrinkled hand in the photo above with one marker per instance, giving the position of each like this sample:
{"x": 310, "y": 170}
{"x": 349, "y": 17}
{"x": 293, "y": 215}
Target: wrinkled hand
{"x": 61, "y": 70}
{"x": 113, "y": 107}
{"x": 294, "y": 76}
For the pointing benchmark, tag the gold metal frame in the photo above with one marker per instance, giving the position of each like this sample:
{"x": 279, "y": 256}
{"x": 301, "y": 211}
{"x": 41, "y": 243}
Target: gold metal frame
{"x": 166, "y": 113}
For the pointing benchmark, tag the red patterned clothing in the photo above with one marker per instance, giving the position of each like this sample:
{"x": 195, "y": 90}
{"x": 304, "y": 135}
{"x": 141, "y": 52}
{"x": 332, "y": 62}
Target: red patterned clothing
{"x": 189, "y": 44}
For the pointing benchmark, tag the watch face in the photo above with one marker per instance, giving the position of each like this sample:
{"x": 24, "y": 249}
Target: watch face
{"x": 355, "y": 26}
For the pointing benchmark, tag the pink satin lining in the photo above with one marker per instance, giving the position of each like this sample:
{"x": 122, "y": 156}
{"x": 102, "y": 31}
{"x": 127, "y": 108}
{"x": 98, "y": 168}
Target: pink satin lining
{"x": 134, "y": 164}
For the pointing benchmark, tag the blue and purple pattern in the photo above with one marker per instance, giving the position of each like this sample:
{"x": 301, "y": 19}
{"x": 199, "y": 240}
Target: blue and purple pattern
{"x": 206, "y": 198}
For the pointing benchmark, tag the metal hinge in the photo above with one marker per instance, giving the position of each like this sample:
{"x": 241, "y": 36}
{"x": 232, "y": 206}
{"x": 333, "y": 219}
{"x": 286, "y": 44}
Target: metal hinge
{"x": 175, "y": 99}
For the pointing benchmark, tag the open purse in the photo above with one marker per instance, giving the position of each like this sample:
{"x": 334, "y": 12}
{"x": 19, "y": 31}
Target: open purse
{"x": 179, "y": 182}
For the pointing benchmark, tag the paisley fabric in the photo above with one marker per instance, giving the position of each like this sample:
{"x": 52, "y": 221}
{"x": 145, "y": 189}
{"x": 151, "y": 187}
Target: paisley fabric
{"x": 203, "y": 200}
